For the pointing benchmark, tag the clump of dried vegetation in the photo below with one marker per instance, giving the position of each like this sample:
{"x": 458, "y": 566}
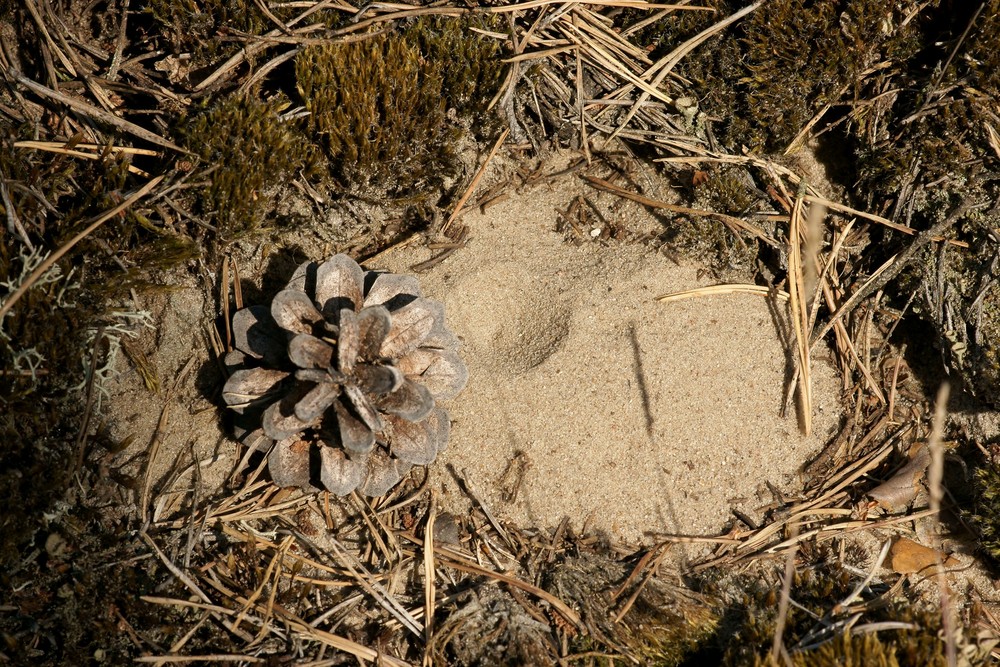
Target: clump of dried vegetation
{"x": 138, "y": 140}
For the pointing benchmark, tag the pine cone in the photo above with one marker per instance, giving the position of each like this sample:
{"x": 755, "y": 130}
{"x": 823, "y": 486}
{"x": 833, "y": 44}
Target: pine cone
{"x": 344, "y": 374}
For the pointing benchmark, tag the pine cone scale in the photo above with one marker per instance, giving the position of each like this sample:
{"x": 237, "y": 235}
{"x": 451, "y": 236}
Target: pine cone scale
{"x": 339, "y": 286}
{"x": 295, "y": 312}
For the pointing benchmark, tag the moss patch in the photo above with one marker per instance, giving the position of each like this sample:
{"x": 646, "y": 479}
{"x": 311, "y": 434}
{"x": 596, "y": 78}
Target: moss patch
{"x": 816, "y": 590}
{"x": 253, "y": 151}
{"x": 380, "y": 105}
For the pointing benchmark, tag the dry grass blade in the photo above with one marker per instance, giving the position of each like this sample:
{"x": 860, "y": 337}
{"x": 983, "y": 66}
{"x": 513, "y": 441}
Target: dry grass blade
{"x": 731, "y": 288}
{"x": 935, "y": 475}
{"x": 214, "y": 657}
{"x": 97, "y": 114}
{"x": 452, "y": 559}
{"x": 430, "y": 581}
{"x": 376, "y": 590}
{"x": 305, "y": 631}
{"x": 633, "y": 4}
{"x": 606, "y": 60}
{"x": 823, "y": 509}
{"x": 811, "y": 197}
{"x": 799, "y": 309}
{"x": 777, "y": 647}
{"x": 456, "y": 563}
{"x": 846, "y": 602}
{"x": 61, "y": 147}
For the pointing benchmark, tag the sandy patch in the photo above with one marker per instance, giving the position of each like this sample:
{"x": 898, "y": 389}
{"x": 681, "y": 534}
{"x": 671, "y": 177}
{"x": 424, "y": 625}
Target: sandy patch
{"x": 588, "y": 399}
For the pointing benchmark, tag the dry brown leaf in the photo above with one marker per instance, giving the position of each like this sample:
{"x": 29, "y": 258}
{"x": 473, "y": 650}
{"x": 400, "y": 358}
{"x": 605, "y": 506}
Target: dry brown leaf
{"x": 909, "y": 557}
{"x": 899, "y": 491}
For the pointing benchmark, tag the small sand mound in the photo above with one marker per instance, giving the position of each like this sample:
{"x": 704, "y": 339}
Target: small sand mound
{"x": 530, "y": 319}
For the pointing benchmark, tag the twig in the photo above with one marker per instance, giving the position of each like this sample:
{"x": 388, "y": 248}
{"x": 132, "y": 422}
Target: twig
{"x": 475, "y": 182}
{"x": 467, "y": 486}
{"x": 14, "y": 224}
{"x": 81, "y": 439}
{"x": 730, "y": 221}
{"x": 116, "y": 59}
{"x": 176, "y": 571}
{"x": 878, "y": 219}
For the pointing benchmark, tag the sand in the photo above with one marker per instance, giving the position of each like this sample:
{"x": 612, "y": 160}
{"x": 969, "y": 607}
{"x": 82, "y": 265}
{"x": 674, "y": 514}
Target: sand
{"x": 589, "y": 399}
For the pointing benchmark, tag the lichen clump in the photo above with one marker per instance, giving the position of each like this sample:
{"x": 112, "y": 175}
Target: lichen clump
{"x": 344, "y": 372}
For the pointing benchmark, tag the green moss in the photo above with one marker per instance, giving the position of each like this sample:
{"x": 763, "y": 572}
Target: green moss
{"x": 803, "y": 55}
{"x": 980, "y": 60}
{"x": 708, "y": 240}
{"x": 253, "y": 151}
{"x": 730, "y": 190}
{"x": 664, "y": 630}
{"x": 871, "y": 650}
{"x": 377, "y": 110}
{"x": 664, "y": 34}
{"x": 470, "y": 64}
{"x": 766, "y": 76}
{"x": 816, "y": 590}
{"x": 985, "y": 512}
{"x": 664, "y": 625}
{"x": 933, "y": 125}
{"x": 380, "y": 104}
